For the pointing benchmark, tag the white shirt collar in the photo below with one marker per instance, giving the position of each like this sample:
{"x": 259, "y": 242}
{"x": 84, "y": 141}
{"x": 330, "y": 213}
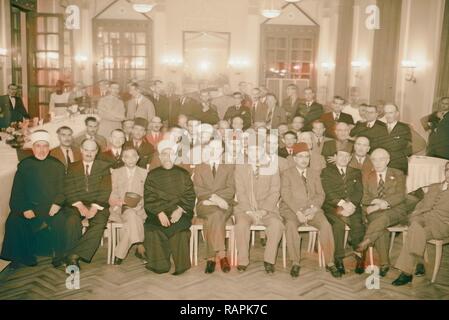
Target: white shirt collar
{"x": 340, "y": 168}
{"x": 302, "y": 172}
{"x": 392, "y": 125}
{"x": 383, "y": 174}
{"x": 90, "y": 164}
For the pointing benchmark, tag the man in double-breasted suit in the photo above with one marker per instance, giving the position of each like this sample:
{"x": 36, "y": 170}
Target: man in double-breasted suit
{"x": 12, "y": 108}
{"x": 129, "y": 178}
{"x": 302, "y": 197}
{"x": 66, "y": 152}
{"x": 398, "y": 141}
{"x": 292, "y": 103}
{"x": 87, "y": 187}
{"x": 344, "y": 190}
{"x": 342, "y": 139}
{"x": 330, "y": 119}
{"x": 375, "y": 130}
{"x": 257, "y": 197}
{"x": 214, "y": 186}
{"x": 259, "y": 111}
{"x": 384, "y": 205}
{"x": 144, "y": 148}
{"x": 429, "y": 220}
{"x": 139, "y": 106}
{"x": 310, "y": 110}
{"x": 113, "y": 155}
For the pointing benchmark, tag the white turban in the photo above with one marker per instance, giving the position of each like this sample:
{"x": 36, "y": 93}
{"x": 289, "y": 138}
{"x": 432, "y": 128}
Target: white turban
{"x": 166, "y": 144}
{"x": 40, "y": 135}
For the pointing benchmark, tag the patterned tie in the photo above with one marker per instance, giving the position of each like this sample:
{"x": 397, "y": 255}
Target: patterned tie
{"x": 86, "y": 178}
{"x": 343, "y": 174}
{"x": 380, "y": 187}
{"x": 319, "y": 142}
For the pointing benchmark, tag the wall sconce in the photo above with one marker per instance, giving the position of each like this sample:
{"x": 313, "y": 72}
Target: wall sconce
{"x": 238, "y": 65}
{"x": 81, "y": 60}
{"x": 409, "y": 67}
{"x": 173, "y": 64}
{"x": 3, "y": 55}
{"x": 357, "y": 65}
{"x": 327, "y": 67}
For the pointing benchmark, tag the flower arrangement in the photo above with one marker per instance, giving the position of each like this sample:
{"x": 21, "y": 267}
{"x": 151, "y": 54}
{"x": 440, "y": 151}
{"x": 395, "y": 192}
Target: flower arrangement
{"x": 16, "y": 136}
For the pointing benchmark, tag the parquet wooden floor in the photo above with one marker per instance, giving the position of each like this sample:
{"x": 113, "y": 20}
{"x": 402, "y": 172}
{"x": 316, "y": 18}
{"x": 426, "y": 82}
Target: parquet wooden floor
{"x": 132, "y": 281}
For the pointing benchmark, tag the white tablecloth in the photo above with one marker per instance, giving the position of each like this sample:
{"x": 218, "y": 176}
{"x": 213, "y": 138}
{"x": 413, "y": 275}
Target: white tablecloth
{"x": 424, "y": 171}
{"x": 9, "y": 161}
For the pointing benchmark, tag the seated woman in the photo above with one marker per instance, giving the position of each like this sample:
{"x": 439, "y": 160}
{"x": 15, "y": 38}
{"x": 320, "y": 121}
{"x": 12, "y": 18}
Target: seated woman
{"x": 126, "y": 205}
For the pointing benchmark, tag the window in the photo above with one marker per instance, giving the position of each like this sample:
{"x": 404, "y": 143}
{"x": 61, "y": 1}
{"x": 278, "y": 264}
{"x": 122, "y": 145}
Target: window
{"x": 122, "y": 50}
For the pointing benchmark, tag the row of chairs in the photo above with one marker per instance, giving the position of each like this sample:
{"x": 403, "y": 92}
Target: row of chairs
{"x": 112, "y": 234}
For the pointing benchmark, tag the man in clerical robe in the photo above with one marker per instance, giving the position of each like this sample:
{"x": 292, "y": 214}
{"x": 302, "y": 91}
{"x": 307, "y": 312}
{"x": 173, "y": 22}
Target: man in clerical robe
{"x": 169, "y": 199}
{"x": 32, "y": 227}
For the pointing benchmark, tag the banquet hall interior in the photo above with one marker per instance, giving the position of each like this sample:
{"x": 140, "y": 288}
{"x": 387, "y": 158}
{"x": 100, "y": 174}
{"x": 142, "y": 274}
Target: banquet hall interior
{"x": 369, "y": 52}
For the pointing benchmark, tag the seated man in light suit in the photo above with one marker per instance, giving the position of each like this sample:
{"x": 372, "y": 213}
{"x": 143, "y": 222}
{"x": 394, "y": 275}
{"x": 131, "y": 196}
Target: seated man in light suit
{"x": 214, "y": 185}
{"x": 302, "y": 197}
{"x": 429, "y": 220}
{"x": 257, "y": 198}
{"x": 129, "y": 178}
{"x": 384, "y": 205}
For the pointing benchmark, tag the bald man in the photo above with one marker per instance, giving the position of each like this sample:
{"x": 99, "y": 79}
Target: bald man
{"x": 383, "y": 204}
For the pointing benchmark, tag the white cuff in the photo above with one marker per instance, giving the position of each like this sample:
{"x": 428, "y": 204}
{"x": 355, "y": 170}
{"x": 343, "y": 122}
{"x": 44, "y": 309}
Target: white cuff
{"x": 97, "y": 206}
{"x": 341, "y": 202}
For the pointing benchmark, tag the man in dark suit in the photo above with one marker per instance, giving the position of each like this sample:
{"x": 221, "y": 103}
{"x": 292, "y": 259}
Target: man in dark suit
{"x": 439, "y": 136}
{"x": 344, "y": 190}
{"x": 184, "y": 105}
{"x": 431, "y": 121}
{"x": 113, "y": 155}
{"x": 138, "y": 142}
{"x": 310, "y": 110}
{"x": 292, "y": 103}
{"x": 160, "y": 101}
{"x": 342, "y": 138}
{"x": 259, "y": 111}
{"x": 398, "y": 142}
{"x": 12, "y": 108}
{"x": 207, "y": 113}
{"x": 383, "y": 204}
{"x": 66, "y": 152}
{"x": 360, "y": 158}
{"x": 87, "y": 187}
{"x": 429, "y": 220}
{"x": 239, "y": 110}
{"x": 289, "y": 139}
{"x": 330, "y": 119}
{"x": 373, "y": 129}
{"x": 215, "y": 188}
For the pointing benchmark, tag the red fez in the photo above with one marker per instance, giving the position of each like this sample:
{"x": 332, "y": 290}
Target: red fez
{"x": 300, "y": 147}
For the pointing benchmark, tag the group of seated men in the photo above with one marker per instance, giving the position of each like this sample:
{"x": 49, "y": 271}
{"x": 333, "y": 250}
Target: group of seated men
{"x": 322, "y": 171}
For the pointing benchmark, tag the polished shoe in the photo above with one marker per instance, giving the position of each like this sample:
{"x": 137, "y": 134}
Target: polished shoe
{"x": 294, "y": 272}
{"x": 225, "y": 266}
{"x": 363, "y": 245}
{"x": 269, "y": 268}
{"x": 383, "y": 270}
{"x": 334, "y": 271}
{"x": 117, "y": 260}
{"x": 242, "y": 268}
{"x": 420, "y": 270}
{"x": 177, "y": 273}
{"x": 57, "y": 262}
{"x": 210, "y": 266}
{"x": 340, "y": 266}
{"x": 402, "y": 279}
{"x": 74, "y": 260}
{"x": 360, "y": 264}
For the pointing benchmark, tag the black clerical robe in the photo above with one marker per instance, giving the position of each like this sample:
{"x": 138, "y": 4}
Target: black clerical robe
{"x": 165, "y": 191}
{"x": 37, "y": 185}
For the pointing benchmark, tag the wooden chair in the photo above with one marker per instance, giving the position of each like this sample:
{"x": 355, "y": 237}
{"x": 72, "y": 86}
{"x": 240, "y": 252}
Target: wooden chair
{"x": 255, "y": 228}
{"x": 438, "y": 255}
{"x": 114, "y": 238}
{"x": 313, "y": 236}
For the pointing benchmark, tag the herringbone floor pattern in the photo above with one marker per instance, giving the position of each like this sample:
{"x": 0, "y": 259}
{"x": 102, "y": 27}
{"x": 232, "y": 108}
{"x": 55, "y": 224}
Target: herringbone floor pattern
{"x": 132, "y": 281}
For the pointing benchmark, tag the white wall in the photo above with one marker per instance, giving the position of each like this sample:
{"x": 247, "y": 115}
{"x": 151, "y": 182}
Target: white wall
{"x": 421, "y": 24}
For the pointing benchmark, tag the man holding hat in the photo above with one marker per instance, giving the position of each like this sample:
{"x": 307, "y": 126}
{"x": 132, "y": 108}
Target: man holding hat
{"x": 36, "y": 198}
{"x": 302, "y": 197}
{"x": 140, "y": 143}
{"x": 169, "y": 199}
{"x": 344, "y": 191}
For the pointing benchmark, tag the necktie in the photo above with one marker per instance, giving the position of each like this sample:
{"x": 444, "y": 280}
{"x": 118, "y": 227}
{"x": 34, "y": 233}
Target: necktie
{"x": 319, "y": 142}
{"x": 117, "y": 155}
{"x": 380, "y": 187}
{"x": 214, "y": 170}
{"x": 290, "y": 151}
{"x": 68, "y": 156}
{"x": 86, "y": 177}
{"x": 336, "y": 117}
{"x": 343, "y": 174}
{"x": 303, "y": 177}
{"x": 389, "y": 128}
